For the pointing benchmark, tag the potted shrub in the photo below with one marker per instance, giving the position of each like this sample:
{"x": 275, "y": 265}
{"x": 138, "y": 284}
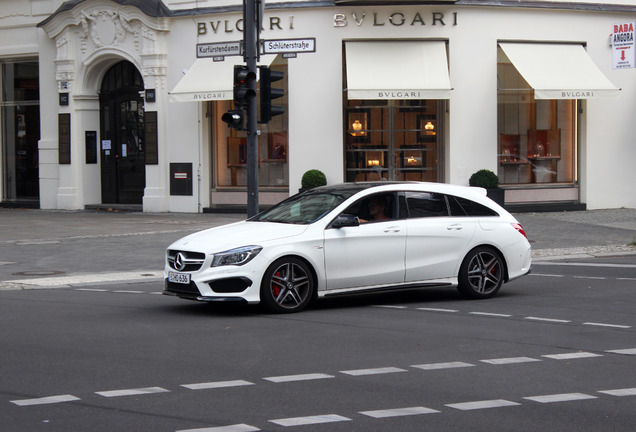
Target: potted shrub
{"x": 311, "y": 179}
{"x": 488, "y": 180}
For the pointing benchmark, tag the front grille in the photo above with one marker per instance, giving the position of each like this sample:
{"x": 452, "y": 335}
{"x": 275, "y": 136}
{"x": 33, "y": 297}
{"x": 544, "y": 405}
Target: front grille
{"x": 183, "y": 290}
{"x": 190, "y": 261}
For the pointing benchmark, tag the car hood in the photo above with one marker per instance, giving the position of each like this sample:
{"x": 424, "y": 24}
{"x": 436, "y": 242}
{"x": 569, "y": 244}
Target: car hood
{"x": 235, "y": 235}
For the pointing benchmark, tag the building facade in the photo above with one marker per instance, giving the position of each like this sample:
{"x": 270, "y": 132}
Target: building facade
{"x": 119, "y": 102}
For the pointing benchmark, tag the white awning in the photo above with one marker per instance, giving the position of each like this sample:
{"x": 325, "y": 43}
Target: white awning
{"x": 397, "y": 70}
{"x": 559, "y": 71}
{"x": 207, "y": 80}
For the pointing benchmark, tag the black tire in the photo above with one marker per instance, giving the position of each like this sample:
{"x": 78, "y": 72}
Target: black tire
{"x": 481, "y": 274}
{"x": 288, "y": 286}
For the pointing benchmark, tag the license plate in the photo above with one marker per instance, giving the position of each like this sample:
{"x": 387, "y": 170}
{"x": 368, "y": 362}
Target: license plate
{"x": 180, "y": 278}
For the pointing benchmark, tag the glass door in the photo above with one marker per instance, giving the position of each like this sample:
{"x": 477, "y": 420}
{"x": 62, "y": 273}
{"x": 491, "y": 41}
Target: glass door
{"x": 393, "y": 140}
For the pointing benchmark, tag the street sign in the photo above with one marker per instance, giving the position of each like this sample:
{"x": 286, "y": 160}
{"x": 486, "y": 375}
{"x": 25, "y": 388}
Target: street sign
{"x": 289, "y": 46}
{"x": 219, "y": 50}
{"x": 623, "y": 49}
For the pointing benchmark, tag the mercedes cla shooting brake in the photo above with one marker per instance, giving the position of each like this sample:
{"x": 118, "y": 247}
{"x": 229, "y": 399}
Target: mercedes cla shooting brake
{"x": 352, "y": 238}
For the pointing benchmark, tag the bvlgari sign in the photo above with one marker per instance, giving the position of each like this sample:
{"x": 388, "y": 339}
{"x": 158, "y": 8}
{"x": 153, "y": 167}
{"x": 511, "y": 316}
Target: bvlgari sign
{"x": 395, "y": 19}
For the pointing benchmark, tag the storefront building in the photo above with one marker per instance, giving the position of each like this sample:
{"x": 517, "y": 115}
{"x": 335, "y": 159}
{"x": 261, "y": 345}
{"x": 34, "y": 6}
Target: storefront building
{"x": 119, "y": 102}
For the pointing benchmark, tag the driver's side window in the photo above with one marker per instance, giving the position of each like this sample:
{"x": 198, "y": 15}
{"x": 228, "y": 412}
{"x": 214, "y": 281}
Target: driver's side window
{"x": 374, "y": 208}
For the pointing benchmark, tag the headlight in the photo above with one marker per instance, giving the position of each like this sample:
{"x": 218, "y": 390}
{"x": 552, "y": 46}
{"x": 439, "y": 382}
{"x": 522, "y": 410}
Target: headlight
{"x": 238, "y": 256}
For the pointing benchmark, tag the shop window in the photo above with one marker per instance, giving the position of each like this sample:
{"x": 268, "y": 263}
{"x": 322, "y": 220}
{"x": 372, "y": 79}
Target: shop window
{"x": 537, "y": 139}
{"x": 392, "y": 140}
{"x": 273, "y": 147}
{"x": 20, "y": 112}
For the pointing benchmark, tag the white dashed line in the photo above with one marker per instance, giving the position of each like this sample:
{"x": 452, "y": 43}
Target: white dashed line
{"x": 629, "y": 351}
{"x": 132, "y": 392}
{"x": 45, "y": 400}
{"x": 449, "y": 365}
{"x": 569, "y": 356}
{"x": 376, "y": 371}
{"x": 490, "y": 314}
{"x": 399, "y": 412}
{"x": 301, "y": 421}
{"x": 564, "y": 397}
{"x": 129, "y": 292}
{"x": 620, "y": 392}
{"x": 304, "y": 377}
{"x": 547, "y": 319}
{"x": 607, "y": 325}
{"x": 511, "y": 360}
{"x": 468, "y": 406}
{"x": 391, "y": 307}
{"x": 546, "y": 275}
{"x": 438, "y": 310}
{"x": 218, "y": 384}
{"x": 231, "y": 428}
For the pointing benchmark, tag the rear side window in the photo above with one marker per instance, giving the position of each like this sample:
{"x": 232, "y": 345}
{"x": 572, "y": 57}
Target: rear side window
{"x": 465, "y": 207}
{"x": 426, "y": 204}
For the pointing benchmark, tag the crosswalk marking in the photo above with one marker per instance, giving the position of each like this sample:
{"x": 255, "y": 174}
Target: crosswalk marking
{"x": 569, "y": 356}
{"x": 399, "y": 412}
{"x": 510, "y": 360}
{"x": 132, "y": 392}
{"x": 218, "y": 384}
{"x": 468, "y": 406}
{"x": 377, "y": 371}
{"x": 301, "y": 421}
{"x": 304, "y": 377}
{"x": 449, "y": 365}
{"x": 45, "y": 400}
{"x": 564, "y": 397}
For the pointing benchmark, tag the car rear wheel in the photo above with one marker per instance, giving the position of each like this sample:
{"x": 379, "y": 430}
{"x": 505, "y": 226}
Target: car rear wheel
{"x": 481, "y": 274}
{"x": 288, "y": 286}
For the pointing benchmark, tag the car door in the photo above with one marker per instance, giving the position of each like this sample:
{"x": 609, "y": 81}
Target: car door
{"x": 437, "y": 241}
{"x": 370, "y": 254}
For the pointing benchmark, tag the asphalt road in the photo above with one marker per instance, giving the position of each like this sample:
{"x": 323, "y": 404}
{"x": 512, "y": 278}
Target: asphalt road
{"x": 554, "y": 351}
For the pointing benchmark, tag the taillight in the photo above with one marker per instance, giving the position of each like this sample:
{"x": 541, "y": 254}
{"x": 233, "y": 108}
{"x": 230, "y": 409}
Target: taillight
{"x": 519, "y": 228}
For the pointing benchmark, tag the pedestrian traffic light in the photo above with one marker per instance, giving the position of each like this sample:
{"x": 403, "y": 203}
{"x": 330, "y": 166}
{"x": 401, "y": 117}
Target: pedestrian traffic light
{"x": 269, "y": 93}
{"x": 244, "y": 91}
{"x": 234, "y": 118}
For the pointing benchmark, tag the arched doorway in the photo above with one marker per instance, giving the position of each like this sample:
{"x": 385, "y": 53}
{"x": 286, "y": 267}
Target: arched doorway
{"x": 123, "y": 168}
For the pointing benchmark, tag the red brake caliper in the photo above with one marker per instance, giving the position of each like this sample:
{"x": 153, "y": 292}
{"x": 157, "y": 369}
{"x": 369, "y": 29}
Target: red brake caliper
{"x": 276, "y": 288}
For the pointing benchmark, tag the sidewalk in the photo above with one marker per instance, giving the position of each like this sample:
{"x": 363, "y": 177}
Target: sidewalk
{"x": 552, "y": 235}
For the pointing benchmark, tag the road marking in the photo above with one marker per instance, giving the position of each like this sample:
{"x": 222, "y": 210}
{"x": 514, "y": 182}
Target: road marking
{"x": 132, "y": 392}
{"x": 91, "y": 289}
{"x": 391, "y": 306}
{"x": 564, "y": 397}
{"x": 468, "y": 406}
{"x": 490, "y": 314}
{"x": 629, "y": 351}
{"x": 218, "y": 384}
{"x": 129, "y": 292}
{"x": 375, "y": 371}
{"x": 547, "y": 319}
{"x": 511, "y": 360}
{"x": 231, "y": 428}
{"x": 607, "y": 325}
{"x": 45, "y": 400}
{"x": 291, "y": 378}
{"x": 398, "y": 412}
{"x": 590, "y": 277}
{"x": 449, "y": 365}
{"x": 301, "y": 421}
{"x": 576, "y": 264}
{"x": 437, "y": 310}
{"x": 620, "y": 392}
{"x": 546, "y": 275}
{"x": 569, "y": 356}
{"x": 627, "y": 279}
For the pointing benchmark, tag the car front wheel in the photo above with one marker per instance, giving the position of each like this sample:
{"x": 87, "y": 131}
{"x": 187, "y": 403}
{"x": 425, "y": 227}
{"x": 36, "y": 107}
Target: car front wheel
{"x": 481, "y": 273}
{"x": 288, "y": 286}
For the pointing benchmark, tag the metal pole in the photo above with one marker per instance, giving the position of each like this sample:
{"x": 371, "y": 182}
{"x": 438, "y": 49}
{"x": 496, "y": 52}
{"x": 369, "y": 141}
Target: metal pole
{"x": 250, "y": 56}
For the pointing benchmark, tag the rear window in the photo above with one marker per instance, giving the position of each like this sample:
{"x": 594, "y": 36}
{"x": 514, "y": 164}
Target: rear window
{"x": 426, "y": 204}
{"x": 465, "y": 207}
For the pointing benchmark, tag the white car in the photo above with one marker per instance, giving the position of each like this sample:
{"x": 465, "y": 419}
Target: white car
{"x": 334, "y": 240}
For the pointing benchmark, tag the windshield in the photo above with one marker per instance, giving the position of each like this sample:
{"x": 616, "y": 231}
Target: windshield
{"x": 304, "y": 208}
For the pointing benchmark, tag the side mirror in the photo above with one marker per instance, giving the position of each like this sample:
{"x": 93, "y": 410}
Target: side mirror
{"x": 345, "y": 220}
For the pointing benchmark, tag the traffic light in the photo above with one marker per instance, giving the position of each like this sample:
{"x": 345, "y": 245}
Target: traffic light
{"x": 243, "y": 89}
{"x": 269, "y": 93}
{"x": 243, "y": 93}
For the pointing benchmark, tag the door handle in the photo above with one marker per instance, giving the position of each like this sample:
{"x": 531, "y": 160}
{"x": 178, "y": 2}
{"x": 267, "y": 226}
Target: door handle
{"x": 392, "y": 229}
{"x": 456, "y": 227}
